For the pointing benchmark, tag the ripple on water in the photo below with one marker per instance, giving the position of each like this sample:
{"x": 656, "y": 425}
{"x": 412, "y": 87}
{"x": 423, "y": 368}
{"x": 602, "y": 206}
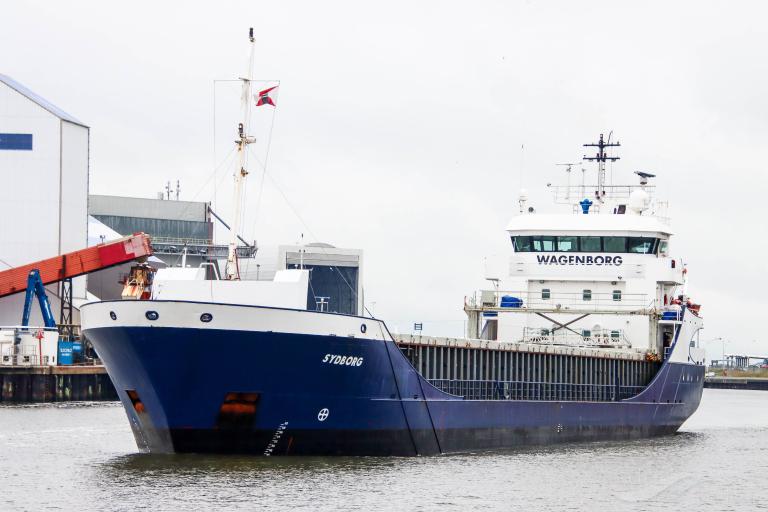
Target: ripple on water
{"x": 83, "y": 456}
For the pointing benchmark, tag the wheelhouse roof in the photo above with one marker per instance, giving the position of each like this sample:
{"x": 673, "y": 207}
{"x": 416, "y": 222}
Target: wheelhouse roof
{"x": 620, "y": 225}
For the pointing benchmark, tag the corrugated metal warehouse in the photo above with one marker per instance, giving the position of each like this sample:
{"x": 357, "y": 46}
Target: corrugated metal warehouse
{"x": 44, "y": 158}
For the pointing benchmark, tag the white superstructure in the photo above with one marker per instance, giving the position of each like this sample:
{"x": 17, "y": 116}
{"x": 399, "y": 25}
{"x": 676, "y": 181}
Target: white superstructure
{"x": 600, "y": 275}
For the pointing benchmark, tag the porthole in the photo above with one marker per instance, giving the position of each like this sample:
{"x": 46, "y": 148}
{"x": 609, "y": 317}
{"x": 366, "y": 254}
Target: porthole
{"x": 152, "y": 315}
{"x": 112, "y": 315}
{"x": 206, "y": 317}
{"x": 363, "y": 328}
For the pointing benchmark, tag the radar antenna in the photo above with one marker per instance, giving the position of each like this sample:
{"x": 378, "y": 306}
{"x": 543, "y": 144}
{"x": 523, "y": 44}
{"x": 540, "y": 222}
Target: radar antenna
{"x": 644, "y": 177}
{"x": 601, "y": 158}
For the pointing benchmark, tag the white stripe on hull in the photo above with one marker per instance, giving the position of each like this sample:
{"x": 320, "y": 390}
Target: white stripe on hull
{"x": 181, "y": 314}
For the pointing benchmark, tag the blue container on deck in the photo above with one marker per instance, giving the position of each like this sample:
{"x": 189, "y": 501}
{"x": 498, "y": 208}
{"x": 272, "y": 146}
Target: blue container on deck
{"x": 508, "y": 301}
{"x": 669, "y": 315}
{"x": 66, "y": 352}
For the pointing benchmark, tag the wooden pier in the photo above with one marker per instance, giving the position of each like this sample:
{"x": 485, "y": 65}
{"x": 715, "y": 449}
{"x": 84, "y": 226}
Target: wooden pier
{"x": 55, "y": 384}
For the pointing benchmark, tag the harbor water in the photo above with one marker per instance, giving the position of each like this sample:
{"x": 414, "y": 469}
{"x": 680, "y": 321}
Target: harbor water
{"x": 82, "y": 456}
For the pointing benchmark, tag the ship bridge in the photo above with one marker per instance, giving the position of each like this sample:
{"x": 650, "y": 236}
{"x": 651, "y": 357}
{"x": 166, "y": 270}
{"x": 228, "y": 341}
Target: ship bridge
{"x": 599, "y": 275}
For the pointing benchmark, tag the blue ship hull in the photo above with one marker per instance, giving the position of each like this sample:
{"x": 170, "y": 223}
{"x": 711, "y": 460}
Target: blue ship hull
{"x": 270, "y": 393}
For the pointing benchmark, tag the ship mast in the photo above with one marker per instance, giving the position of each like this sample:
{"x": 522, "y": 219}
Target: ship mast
{"x": 242, "y": 142}
{"x": 601, "y": 158}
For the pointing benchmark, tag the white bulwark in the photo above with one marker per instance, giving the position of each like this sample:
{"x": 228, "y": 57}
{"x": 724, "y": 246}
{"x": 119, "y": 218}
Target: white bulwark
{"x": 44, "y": 155}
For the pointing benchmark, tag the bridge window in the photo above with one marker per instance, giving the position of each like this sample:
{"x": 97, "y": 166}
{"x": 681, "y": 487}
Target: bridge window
{"x": 616, "y": 294}
{"x": 614, "y": 244}
{"x": 591, "y": 244}
{"x": 522, "y": 243}
{"x": 610, "y": 244}
{"x": 567, "y": 244}
{"x": 640, "y": 245}
{"x": 586, "y": 295}
{"x": 545, "y": 294}
{"x": 544, "y": 244}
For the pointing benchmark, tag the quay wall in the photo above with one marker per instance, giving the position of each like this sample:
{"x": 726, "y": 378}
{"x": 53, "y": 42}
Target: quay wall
{"x": 736, "y": 383}
{"x": 55, "y": 384}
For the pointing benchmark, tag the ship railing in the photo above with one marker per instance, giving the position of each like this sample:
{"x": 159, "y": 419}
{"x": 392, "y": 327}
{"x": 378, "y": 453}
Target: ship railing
{"x": 180, "y": 241}
{"x": 654, "y": 212}
{"x": 615, "y": 338}
{"x": 542, "y": 300}
{"x": 535, "y": 390}
{"x": 567, "y": 194}
{"x": 197, "y": 247}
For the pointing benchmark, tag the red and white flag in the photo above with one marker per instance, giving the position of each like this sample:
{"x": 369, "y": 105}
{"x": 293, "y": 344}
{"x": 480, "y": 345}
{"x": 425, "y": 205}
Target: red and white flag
{"x": 263, "y": 97}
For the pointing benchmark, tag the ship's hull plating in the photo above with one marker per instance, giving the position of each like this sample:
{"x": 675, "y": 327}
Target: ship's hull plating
{"x": 190, "y": 389}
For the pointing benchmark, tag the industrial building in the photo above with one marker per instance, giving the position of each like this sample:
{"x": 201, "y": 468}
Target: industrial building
{"x": 335, "y": 275}
{"x": 44, "y": 156}
{"x": 178, "y": 229}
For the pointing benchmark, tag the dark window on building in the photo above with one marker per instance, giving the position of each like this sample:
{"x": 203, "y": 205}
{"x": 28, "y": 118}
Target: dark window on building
{"x": 615, "y": 334}
{"x": 335, "y": 286}
{"x": 616, "y": 294}
{"x": 545, "y": 294}
{"x": 586, "y": 295}
{"x": 567, "y": 243}
{"x": 614, "y": 244}
{"x": 586, "y": 333}
{"x": 21, "y": 141}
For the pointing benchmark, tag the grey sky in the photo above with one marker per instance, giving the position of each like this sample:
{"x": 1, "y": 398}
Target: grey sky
{"x": 400, "y": 125}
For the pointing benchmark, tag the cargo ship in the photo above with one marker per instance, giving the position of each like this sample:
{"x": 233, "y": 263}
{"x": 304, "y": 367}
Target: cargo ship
{"x": 584, "y": 333}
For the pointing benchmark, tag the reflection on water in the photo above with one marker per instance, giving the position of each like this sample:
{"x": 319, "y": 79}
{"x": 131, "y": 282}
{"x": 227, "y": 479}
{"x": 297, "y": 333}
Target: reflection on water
{"x": 136, "y": 465}
{"x": 716, "y": 462}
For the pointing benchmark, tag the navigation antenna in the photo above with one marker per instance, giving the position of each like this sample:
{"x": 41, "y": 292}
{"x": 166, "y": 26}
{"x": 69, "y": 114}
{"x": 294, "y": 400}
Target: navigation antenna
{"x": 601, "y": 158}
{"x": 242, "y": 142}
{"x": 568, "y": 187}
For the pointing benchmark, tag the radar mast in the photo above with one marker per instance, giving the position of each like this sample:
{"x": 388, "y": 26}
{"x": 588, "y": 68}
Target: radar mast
{"x": 601, "y": 158}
